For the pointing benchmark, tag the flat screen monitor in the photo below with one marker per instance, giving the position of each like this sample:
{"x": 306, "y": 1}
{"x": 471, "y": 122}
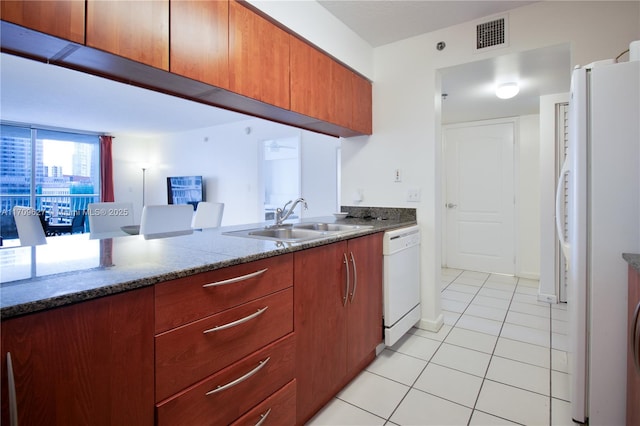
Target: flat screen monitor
{"x": 185, "y": 190}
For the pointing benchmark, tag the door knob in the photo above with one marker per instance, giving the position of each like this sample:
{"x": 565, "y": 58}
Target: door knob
{"x": 451, "y": 206}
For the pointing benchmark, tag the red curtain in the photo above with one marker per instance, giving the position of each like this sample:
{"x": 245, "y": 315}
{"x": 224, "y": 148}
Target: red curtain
{"x": 106, "y": 168}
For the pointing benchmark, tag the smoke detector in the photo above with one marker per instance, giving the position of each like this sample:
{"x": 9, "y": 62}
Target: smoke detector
{"x": 492, "y": 34}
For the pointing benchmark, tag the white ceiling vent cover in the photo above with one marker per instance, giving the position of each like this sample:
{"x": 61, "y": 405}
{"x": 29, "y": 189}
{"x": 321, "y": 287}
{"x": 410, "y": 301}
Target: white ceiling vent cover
{"x": 492, "y": 34}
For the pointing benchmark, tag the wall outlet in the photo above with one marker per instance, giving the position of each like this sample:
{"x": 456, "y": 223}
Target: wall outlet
{"x": 397, "y": 176}
{"x": 413, "y": 194}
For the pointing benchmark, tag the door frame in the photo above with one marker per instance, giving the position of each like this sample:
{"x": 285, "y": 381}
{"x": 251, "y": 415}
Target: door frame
{"x": 515, "y": 121}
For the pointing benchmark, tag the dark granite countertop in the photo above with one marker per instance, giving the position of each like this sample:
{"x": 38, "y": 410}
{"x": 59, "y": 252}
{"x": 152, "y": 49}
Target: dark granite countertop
{"x": 76, "y": 268}
{"x": 633, "y": 260}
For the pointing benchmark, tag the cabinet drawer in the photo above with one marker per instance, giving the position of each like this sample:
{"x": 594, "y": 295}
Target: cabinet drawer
{"x": 279, "y": 409}
{"x": 264, "y": 372}
{"x": 188, "y": 299}
{"x": 188, "y": 354}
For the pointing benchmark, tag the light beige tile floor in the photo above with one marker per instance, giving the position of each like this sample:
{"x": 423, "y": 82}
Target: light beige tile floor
{"x": 499, "y": 359}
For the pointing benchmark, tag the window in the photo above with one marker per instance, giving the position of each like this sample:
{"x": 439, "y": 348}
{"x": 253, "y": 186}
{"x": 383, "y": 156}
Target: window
{"x": 55, "y": 172}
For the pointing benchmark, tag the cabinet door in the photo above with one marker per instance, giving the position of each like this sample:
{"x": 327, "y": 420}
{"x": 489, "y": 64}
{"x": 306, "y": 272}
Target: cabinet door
{"x": 341, "y": 95}
{"x": 310, "y": 82}
{"x": 85, "y": 364}
{"x": 137, "y": 30}
{"x": 258, "y": 57}
{"x": 365, "y": 298}
{"x": 199, "y": 46}
{"x": 37, "y": 15}
{"x": 320, "y": 325}
{"x": 361, "y": 120}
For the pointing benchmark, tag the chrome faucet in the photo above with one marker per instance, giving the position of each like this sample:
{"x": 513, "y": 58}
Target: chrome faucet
{"x": 282, "y": 213}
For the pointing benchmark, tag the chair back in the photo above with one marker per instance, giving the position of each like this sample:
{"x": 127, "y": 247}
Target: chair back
{"x": 109, "y": 216}
{"x": 77, "y": 223}
{"x": 30, "y": 231}
{"x": 166, "y": 218}
{"x": 207, "y": 215}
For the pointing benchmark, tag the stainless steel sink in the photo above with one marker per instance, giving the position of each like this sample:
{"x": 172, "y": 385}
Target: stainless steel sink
{"x": 298, "y": 232}
{"x": 282, "y": 233}
{"x": 330, "y": 227}
{"x": 285, "y": 234}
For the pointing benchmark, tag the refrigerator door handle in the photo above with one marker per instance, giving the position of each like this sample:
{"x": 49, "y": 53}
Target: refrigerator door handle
{"x": 559, "y": 228}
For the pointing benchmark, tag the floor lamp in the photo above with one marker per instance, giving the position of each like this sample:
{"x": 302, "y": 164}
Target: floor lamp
{"x": 144, "y": 172}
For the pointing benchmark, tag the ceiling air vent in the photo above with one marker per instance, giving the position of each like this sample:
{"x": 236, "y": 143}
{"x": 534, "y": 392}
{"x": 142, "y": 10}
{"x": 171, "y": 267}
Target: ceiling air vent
{"x": 491, "y": 34}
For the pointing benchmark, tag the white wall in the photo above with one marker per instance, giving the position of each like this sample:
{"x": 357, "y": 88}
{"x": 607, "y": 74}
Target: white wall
{"x": 406, "y": 108}
{"x": 528, "y": 198}
{"x": 317, "y": 25}
{"x": 227, "y": 157}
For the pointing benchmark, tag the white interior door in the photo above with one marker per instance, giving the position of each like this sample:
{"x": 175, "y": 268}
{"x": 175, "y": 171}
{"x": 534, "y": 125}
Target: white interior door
{"x": 479, "y": 196}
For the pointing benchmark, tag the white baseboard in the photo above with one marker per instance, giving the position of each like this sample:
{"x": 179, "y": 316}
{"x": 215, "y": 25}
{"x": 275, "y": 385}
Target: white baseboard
{"x": 430, "y": 325}
{"x": 549, "y": 298}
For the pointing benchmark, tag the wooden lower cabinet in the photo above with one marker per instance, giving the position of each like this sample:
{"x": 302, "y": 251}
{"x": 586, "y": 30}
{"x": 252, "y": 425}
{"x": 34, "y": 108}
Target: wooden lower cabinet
{"x": 85, "y": 364}
{"x": 277, "y": 410}
{"x": 225, "y": 396}
{"x": 224, "y": 343}
{"x": 338, "y": 323}
{"x": 186, "y": 355}
{"x": 633, "y": 351}
{"x": 270, "y": 341}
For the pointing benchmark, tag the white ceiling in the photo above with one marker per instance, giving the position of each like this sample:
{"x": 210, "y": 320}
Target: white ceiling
{"x": 380, "y": 22}
{"x": 49, "y": 95}
{"x": 470, "y": 88}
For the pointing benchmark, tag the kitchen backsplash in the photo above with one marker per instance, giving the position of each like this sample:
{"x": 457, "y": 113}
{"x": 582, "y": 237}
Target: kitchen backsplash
{"x": 380, "y": 213}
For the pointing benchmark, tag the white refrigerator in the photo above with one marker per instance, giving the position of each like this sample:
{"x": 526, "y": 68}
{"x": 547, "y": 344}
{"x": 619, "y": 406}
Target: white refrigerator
{"x": 603, "y": 221}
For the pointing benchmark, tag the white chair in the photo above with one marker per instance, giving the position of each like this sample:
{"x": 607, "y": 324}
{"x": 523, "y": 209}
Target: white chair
{"x": 207, "y": 215}
{"x": 30, "y": 231}
{"x": 166, "y": 218}
{"x": 109, "y": 216}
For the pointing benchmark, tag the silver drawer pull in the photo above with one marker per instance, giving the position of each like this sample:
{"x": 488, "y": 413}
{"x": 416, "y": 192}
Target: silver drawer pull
{"x": 346, "y": 290}
{"x": 355, "y": 277}
{"x": 13, "y": 404}
{"x": 236, "y": 279}
{"x": 237, "y": 322}
{"x": 239, "y": 379}
{"x": 635, "y": 337}
{"x": 263, "y": 417}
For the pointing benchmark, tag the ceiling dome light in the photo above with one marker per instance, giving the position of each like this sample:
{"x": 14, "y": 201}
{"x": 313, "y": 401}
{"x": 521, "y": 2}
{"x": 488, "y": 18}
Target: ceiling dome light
{"x": 507, "y": 90}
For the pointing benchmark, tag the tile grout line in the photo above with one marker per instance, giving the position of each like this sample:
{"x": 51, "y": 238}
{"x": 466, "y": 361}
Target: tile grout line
{"x": 484, "y": 378}
{"x": 430, "y": 358}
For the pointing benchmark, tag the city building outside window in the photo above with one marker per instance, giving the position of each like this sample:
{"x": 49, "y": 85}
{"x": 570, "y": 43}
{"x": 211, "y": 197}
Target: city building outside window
{"x": 55, "y": 172}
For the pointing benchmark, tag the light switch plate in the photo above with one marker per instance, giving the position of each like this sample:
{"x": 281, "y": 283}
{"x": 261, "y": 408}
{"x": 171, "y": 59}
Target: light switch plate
{"x": 413, "y": 194}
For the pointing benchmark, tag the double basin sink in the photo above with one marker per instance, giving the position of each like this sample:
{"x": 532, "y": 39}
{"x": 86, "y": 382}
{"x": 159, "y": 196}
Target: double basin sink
{"x": 298, "y": 232}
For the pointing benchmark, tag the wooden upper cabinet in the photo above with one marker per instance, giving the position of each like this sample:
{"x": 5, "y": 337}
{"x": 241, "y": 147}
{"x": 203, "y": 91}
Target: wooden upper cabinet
{"x": 362, "y": 105}
{"x": 199, "y": 45}
{"x": 137, "y": 30}
{"x": 341, "y": 95}
{"x": 258, "y": 57}
{"x": 39, "y": 15}
{"x": 310, "y": 81}
{"x": 323, "y": 88}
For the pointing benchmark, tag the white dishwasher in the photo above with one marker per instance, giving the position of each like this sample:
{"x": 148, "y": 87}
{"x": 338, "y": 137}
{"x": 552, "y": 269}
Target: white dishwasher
{"x": 401, "y": 284}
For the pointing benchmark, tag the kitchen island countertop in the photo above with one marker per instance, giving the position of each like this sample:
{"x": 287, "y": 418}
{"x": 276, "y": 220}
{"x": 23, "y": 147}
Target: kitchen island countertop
{"x": 76, "y": 268}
